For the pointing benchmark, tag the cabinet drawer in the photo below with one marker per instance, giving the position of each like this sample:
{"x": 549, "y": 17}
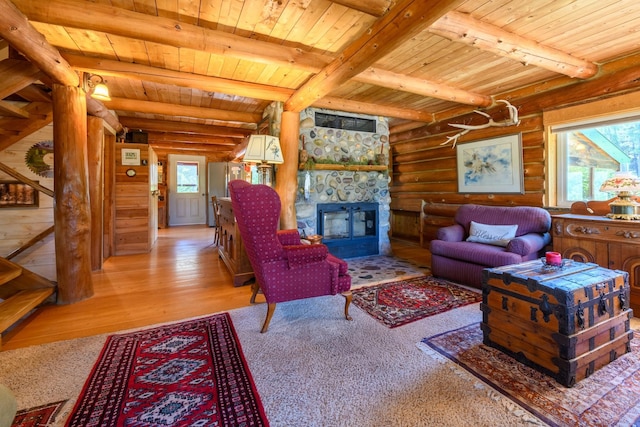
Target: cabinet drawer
{"x": 614, "y": 232}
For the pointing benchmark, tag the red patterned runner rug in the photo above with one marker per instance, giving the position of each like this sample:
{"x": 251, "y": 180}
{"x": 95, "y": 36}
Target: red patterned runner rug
{"x": 398, "y": 303}
{"x": 190, "y": 373}
{"x": 609, "y": 397}
{"x": 39, "y": 416}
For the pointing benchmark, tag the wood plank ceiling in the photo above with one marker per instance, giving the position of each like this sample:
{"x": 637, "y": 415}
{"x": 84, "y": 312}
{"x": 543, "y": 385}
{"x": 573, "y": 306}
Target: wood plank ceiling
{"x": 197, "y": 75}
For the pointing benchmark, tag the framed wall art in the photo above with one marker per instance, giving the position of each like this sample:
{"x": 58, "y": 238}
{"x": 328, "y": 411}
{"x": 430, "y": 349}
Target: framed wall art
{"x": 131, "y": 156}
{"x": 491, "y": 165}
{"x": 15, "y": 194}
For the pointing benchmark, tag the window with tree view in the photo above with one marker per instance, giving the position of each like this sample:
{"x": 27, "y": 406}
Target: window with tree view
{"x": 187, "y": 177}
{"x": 587, "y": 156}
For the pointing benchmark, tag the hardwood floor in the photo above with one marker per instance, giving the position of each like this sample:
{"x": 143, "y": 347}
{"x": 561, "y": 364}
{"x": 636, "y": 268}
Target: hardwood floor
{"x": 181, "y": 277}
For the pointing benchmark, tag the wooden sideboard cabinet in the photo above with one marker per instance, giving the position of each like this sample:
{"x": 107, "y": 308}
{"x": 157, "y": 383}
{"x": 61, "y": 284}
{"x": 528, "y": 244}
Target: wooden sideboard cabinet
{"x": 231, "y": 248}
{"x": 613, "y": 244}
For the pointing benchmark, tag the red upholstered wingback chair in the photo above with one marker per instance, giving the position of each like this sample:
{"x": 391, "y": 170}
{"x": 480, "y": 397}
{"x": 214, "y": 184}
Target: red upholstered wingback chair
{"x": 285, "y": 269}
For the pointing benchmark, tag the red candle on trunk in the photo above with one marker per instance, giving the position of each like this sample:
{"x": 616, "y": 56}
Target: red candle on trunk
{"x": 554, "y": 258}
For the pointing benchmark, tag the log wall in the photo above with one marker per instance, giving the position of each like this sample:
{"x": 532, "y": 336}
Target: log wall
{"x": 425, "y": 170}
{"x": 19, "y": 225}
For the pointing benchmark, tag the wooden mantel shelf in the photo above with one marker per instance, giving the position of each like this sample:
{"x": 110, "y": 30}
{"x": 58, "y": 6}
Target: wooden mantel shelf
{"x": 338, "y": 167}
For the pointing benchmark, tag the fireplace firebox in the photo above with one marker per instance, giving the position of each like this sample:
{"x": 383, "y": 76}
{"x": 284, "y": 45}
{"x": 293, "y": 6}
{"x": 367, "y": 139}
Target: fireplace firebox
{"x": 349, "y": 229}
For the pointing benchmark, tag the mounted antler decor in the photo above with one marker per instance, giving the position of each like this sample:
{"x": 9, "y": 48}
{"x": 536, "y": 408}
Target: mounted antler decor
{"x": 512, "y": 121}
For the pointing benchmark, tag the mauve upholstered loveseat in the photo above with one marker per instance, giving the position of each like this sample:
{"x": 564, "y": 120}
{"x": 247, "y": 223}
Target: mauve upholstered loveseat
{"x": 461, "y": 261}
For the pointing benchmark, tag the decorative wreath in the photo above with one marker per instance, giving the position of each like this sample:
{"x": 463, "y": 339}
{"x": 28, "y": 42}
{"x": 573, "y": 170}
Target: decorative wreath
{"x": 39, "y": 159}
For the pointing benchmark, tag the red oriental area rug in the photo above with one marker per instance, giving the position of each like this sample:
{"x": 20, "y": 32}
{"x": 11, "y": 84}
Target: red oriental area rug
{"x": 39, "y": 416}
{"x": 609, "y": 397}
{"x": 191, "y": 373}
{"x": 405, "y": 301}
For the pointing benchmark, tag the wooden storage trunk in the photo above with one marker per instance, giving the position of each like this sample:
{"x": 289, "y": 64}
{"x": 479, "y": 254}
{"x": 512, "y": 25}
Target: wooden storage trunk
{"x": 566, "y": 322}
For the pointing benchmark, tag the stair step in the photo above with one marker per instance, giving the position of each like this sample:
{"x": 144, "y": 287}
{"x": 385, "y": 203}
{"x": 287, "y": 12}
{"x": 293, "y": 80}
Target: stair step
{"x": 20, "y": 304}
{"x": 8, "y": 271}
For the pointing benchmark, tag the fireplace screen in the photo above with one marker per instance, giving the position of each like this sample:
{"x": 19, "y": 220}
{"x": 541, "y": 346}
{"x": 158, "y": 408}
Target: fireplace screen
{"x": 349, "y": 229}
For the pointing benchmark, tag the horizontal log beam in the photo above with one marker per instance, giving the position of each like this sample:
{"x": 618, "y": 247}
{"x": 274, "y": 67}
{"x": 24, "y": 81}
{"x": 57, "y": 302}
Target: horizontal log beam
{"x": 183, "y": 127}
{"x": 372, "y": 7}
{"x": 340, "y": 104}
{"x": 463, "y": 28}
{"x": 198, "y": 148}
{"x": 167, "y": 31}
{"x": 404, "y": 83}
{"x": 192, "y": 139}
{"x": 181, "y": 110}
{"x": 18, "y": 31}
{"x": 106, "y": 67}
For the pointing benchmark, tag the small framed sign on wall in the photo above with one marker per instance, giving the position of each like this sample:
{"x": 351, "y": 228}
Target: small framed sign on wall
{"x": 131, "y": 156}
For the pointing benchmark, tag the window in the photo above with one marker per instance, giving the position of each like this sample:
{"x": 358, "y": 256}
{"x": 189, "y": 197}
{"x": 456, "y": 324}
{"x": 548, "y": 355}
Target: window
{"x": 588, "y": 154}
{"x": 187, "y": 177}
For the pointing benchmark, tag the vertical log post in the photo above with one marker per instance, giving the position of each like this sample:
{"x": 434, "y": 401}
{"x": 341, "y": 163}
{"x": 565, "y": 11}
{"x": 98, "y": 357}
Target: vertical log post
{"x": 95, "y": 143}
{"x": 71, "y": 213}
{"x": 287, "y": 175}
{"x": 109, "y": 215}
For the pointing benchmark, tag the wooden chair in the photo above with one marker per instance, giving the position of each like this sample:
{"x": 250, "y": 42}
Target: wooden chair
{"x": 217, "y": 229}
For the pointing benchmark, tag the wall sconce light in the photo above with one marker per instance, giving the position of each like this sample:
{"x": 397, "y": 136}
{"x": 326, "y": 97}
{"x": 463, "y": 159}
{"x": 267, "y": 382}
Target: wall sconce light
{"x": 264, "y": 150}
{"x": 95, "y": 85}
{"x": 624, "y": 185}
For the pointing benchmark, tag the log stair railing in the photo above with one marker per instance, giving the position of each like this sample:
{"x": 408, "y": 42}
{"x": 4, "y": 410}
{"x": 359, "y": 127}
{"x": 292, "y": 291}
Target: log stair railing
{"x": 21, "y": 291}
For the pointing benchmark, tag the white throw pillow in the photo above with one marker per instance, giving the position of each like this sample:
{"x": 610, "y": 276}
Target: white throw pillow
{"x": 498, "y": 235}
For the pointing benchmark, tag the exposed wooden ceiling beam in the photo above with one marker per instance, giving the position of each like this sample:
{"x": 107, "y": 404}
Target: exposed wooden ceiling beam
{"x": 340, "y": 104}
{"x": 157, "y": 29}
{"x": 177, "y": 146}
{"x": 106, "y": 67}
{"x": 375, "y": 8}
{"x": 196, "y": 81}
{"x": 16, "y": 29}
{"x": 152, "y": 74}
{"x": 183, "y": 127}
{"x": 401, "y": 23}
{"x": 463, "y": 28}
{"x": 212, "y": 156}
{"x": 402, "y": 82}
{"x": 191, "y": 139}
{"x": 181, "y": 110}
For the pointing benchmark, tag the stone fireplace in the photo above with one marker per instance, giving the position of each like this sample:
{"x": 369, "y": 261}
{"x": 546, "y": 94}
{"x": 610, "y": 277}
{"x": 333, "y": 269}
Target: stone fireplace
{"x": 348, "y": 169}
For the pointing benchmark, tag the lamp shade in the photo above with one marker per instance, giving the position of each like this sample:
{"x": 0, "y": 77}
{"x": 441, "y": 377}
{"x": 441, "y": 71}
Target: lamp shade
{"x": 101, "y": 92}
{"x": 263, "y": 148}
{"x": 622, "y": 181}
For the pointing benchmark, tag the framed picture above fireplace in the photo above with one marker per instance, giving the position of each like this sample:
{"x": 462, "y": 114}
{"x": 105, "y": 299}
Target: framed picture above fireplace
{"x": 491, "y": 165}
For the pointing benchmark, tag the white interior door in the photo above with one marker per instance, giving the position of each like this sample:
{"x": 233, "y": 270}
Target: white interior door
{"x": 187, "y": 190}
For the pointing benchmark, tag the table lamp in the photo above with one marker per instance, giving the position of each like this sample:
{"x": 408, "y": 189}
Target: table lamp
{"x": 624, "y": 184}
{"x": 265, "y": 151}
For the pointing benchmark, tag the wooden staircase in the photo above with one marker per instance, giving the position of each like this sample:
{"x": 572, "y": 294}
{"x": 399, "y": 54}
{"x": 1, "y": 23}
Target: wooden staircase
{"x": 21, "y": 291}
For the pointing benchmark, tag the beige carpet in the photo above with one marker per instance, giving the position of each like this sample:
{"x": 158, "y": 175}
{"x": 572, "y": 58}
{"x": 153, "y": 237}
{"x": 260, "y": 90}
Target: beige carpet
{"x": 312, "y": 368}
